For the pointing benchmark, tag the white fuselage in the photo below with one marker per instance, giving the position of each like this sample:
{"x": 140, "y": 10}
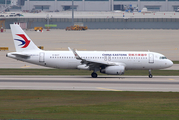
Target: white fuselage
{"x": 66, "y": 59}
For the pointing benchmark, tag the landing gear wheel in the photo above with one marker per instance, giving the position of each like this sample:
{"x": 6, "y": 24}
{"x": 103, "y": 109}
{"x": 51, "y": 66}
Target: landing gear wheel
{"x": 150, "y": 76}
{"x": 94, "y": 75}
{"x": 150, "y": 73}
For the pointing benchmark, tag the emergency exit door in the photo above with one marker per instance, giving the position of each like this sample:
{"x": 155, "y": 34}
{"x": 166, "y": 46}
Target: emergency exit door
{"x": 107, "y": 58}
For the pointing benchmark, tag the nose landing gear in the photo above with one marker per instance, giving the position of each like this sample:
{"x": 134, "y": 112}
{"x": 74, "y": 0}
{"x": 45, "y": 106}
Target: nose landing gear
{"x": 150, "y": 74}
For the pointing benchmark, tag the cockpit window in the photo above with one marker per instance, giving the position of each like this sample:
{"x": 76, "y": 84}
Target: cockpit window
{"x": 163, "y": 57}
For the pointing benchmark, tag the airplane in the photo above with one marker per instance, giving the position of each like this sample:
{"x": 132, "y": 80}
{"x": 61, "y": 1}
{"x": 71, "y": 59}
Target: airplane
{"x": 107, "y": 62}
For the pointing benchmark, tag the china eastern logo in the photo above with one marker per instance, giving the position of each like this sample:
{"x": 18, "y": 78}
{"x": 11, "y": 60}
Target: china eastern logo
{"x": 25, "y": 41}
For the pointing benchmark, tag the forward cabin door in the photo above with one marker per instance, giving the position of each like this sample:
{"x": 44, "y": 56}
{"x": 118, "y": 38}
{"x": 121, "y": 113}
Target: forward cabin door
{"x": 41, "y": 57}
{"x": 151, "y": 58}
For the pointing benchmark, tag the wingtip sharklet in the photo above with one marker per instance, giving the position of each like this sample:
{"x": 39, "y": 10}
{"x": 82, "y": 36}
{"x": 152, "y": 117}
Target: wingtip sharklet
{"x": 69, "y": 49}
{"x": 75, "y": 54}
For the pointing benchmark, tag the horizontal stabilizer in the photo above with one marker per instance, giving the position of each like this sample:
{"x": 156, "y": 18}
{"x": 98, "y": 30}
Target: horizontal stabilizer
{"x": 18, "y": 55}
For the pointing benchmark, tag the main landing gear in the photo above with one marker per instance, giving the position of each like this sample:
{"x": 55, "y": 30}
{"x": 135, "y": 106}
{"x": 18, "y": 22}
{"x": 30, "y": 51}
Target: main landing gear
{"x": 94, "y": 75}
{"x": 150, "y": 74}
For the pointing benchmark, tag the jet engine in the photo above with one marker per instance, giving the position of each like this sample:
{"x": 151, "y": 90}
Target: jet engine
{"x": 113, "y": 70}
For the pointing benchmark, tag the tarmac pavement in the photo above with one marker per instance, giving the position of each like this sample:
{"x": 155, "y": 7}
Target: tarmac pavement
{"x": 162, "y": 41}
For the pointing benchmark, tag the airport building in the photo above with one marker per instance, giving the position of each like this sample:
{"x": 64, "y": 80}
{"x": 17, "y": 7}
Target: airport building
{"x": 101, "y": 14}
{"x": 95, "y": 5}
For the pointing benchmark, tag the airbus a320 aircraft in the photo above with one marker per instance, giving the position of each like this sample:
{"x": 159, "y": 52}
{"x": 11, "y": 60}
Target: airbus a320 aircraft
{"x": 107, "y": 62}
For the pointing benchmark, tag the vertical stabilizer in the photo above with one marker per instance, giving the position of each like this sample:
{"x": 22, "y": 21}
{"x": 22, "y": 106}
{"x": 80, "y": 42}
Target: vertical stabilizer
{"x": 21, "y": 41}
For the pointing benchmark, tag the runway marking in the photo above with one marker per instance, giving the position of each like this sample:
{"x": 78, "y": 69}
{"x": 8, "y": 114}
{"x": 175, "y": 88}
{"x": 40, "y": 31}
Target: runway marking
{"x": 25, "y": 66}
{"x": 108, "y": 89}
{"x": 171, "y": 79}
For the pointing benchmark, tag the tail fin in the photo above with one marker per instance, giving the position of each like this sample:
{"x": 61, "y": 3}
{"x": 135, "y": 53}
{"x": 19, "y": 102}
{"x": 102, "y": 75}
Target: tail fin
{"x": 21, "y": 41}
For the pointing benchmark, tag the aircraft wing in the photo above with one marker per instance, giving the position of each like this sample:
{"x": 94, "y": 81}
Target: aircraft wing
{"x": 95, "y": 63}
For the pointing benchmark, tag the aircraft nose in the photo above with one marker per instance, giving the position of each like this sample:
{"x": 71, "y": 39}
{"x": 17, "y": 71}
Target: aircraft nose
{"x": 170, "y": 63}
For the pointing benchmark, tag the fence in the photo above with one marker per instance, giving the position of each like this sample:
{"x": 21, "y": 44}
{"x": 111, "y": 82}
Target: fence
{"x": 102, "y": 23}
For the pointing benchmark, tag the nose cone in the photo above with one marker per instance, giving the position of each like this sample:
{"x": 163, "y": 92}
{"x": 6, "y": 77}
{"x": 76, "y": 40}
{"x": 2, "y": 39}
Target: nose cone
{"x": 169, "y": 63}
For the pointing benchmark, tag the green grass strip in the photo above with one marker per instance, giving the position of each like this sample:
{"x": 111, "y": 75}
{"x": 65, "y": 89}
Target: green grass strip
{"x": 88, "y": 105}
{"x": 79, "y": 72}
{"x": 175, "y": 62}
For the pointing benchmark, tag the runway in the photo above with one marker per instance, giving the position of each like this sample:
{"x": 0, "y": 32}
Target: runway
{"x": 102, "y": 83}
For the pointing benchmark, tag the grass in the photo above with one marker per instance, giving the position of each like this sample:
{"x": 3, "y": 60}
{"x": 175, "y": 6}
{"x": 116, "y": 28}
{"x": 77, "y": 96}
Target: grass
{"x": 79, "y": 72}
{"x": 175, "y": 62}
{"x": 88, "y": 105}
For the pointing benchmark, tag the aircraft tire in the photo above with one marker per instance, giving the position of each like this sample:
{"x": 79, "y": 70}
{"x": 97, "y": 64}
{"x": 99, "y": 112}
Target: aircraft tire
{"x": 94, "y": 75}
{"x": 150, "y": 76}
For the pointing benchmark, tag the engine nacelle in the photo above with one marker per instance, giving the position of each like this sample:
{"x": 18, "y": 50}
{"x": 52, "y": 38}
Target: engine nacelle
{"x": 113, "y": 70}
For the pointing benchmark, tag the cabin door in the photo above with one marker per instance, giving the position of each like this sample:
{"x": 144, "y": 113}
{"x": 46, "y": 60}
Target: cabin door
{"x": 151, "y": 58}
{"x": 42, "y": 57}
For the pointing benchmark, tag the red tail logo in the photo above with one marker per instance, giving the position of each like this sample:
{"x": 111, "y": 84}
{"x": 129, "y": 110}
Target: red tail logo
{"x": 25, "y": 43}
